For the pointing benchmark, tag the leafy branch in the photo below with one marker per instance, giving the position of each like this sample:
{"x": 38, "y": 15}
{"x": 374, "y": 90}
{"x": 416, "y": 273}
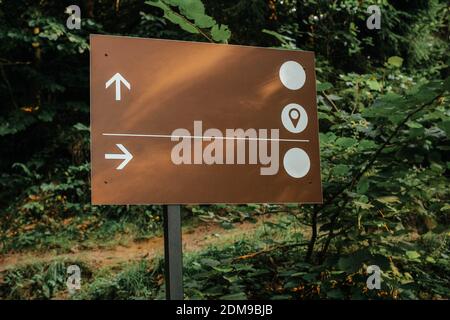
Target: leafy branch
{"x": 192, "y": 18}
{"x": 356, "y": 178}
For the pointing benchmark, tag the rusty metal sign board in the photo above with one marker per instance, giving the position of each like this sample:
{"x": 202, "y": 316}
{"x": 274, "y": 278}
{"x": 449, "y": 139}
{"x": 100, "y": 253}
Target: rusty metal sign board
{"x": 176, "y": 122}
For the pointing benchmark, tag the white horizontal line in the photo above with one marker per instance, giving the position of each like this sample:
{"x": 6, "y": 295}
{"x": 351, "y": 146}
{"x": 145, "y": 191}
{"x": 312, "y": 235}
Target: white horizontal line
{"x": 198, "y": 137}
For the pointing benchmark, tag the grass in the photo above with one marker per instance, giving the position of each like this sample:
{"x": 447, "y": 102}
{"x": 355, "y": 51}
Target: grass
{"x": 94, "y": 231}
{"x": 241, "y": 267}
{"x": 108, "y": 233}
{"x": 141, "y": 279}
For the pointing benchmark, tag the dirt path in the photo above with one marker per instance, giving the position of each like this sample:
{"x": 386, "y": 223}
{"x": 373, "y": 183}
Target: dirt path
{"x": 193, "y": 240}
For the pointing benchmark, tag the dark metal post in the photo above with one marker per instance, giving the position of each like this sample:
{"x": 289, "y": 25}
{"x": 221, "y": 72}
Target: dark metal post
{"x": 173, "y": 252}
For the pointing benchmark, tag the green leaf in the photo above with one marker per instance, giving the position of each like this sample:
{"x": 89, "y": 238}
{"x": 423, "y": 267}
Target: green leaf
{"x": 81, "y": 127}
{"x": 395, "y": 61}
{"x": 414, "y": 125}
{"x": 341, "y": 170}
{"x": 412, "y": 255}
{"x": 158, "y": 4}
{"x": 195, "y": 10}
{"x": 23, "y": 167}
{"x": 192, "y": 17}
{"x": 373, "y": 85}
{"x": 363, "y": 205}
{"x": 388, "y": 199}
{"x": 223, "y": 269}
{"x": 220, "y": 33}
{"x": 204, "y": 21}
{"x": 183, "y": 23}
{"x": 430, "y": 259}
{"x": 363, "y": 185}
{"x": 324, "y": 86}
{"x": 366, "y": 145}
{"x": 346, "y": 142}
{"x": 285, "y": 40}
{"x": 386, "y": 106}
{"x": 173, "y": 17}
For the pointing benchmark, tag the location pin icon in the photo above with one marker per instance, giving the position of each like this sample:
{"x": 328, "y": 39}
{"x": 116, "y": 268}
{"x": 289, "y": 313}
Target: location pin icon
{"x": 294, "y": 115}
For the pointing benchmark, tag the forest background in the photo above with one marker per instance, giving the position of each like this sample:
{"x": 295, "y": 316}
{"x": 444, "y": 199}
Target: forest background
{"x": 383, "y": 104}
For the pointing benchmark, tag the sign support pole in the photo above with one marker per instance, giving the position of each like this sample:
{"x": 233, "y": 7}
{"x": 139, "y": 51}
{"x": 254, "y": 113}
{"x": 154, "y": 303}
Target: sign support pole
{"x": 173, "y": 252}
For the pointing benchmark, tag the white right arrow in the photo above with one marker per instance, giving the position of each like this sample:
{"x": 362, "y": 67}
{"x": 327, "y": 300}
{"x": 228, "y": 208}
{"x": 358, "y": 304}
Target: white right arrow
{"x": 117, "y": 78}
{"x": 126, "y": 156}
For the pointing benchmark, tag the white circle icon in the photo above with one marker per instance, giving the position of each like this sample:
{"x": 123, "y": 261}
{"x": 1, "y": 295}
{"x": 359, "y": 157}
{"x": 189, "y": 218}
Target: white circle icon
{"x": 292, "y": 75}
{"x": 294, "y": 118}
{"x": 296, "y": 163}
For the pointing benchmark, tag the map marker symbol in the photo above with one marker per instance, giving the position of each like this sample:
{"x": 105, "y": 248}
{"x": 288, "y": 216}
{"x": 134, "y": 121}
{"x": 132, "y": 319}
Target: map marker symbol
{"x": 294, "y": 115}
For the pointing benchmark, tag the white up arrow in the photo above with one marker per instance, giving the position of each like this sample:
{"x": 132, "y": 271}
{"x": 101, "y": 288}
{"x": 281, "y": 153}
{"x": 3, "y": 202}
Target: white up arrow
{"x": 126, "y": 156}
{"x": 117, "y": 78}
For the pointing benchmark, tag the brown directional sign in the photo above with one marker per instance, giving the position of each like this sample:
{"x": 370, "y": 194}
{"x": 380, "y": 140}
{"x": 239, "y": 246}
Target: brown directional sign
{"x": 176, "y": 122}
